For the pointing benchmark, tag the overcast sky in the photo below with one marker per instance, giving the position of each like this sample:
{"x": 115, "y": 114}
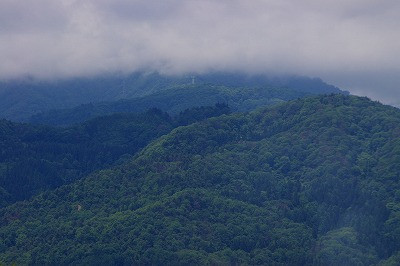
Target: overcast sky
{"x": 354, "y": 44}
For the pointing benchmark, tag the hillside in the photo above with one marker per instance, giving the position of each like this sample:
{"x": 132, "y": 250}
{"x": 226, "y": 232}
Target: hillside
{"x": 20, "y": 99}
{"x": 36, "y": 158}
{"x": 312, "y": 181}
{"x": 173, "y": 101}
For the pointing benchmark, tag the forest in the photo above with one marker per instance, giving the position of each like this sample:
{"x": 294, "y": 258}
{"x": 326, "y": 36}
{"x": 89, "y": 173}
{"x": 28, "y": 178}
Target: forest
{"x": 36, "y": 158}
{"x": 173, "y": 101}
{"x": 311, "y": 181}
{"x": 21, "y": 98}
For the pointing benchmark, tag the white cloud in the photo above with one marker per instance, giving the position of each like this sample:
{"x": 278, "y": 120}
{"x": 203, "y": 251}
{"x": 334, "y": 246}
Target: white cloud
{"x": 351, "y": 43}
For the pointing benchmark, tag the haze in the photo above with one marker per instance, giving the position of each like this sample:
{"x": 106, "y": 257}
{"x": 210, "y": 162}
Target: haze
{"x": 353, "y": 44}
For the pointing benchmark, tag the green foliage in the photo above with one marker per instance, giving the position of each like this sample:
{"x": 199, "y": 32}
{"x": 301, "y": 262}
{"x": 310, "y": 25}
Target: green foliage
{"x": 312, "y": 181}
{"x": 36, "y": 158}
{"x": 341, "y": 247}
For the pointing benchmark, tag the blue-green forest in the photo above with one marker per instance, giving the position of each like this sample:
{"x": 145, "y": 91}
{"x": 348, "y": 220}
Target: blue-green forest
{"x": 209, "y": 174}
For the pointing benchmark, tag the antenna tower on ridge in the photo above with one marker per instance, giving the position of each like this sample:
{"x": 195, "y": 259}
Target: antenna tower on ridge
{"x": 123, "y": 89}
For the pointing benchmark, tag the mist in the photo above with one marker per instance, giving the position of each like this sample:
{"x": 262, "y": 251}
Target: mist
{"x": 352, "y": 44}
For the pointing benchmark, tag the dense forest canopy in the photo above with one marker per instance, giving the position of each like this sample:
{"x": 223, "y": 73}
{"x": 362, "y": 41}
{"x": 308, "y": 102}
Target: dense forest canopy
{"x": 311, "y": 181}
{"x": 35, "y": 158}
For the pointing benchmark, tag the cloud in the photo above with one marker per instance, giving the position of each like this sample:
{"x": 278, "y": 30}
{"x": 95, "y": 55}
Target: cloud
{"x": 350, "y": 43}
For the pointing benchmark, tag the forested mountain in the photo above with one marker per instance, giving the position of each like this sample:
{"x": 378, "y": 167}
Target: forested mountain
{"x": 239, "y": 79}
{"x": 173, "y": 101}
{"x": 311, "y": 181}
{"x": 35, "y": 158}
{"x": 20, "y": 99}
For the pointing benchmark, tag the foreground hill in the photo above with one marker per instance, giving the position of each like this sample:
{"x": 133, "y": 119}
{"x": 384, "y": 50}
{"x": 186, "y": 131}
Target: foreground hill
{"x": 173, "y": 101}
{"x": 312, "y": 181}
{"x": 20, "y": 99}
{"x": 36, "y": 158}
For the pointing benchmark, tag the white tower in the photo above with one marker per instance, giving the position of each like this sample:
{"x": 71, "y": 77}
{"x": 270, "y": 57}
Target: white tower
{"x": 123, "y": 89}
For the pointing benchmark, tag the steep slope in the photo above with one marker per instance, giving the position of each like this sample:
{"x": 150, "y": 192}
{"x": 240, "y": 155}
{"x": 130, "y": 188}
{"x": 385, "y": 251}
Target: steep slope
{"x": 312, "y": 181}
{"x": 20, "y": 99}
{"x": 174, "y": 101}
{"x": 35, "y": 158}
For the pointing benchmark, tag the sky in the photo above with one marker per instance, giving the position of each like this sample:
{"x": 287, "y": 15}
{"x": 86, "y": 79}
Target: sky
{"x": 353, "y": 44}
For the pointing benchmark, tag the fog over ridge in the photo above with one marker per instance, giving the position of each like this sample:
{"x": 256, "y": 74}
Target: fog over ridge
{"x": 352, "y": 44}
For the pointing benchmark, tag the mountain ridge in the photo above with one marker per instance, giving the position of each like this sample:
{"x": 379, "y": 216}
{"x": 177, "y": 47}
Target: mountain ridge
{"x": 35, "y": 158}
{"x": 20, "y": 99}
{"x": 173, "y": 101}
{"x": 323, "y": 168}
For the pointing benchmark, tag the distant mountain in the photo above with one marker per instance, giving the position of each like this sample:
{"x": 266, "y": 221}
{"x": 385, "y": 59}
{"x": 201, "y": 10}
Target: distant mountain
{"x": 20, "y": 99}
{"x": 299, "y": 83}
{"x": 173, "y": 101}
{"x": 314, "y": 181}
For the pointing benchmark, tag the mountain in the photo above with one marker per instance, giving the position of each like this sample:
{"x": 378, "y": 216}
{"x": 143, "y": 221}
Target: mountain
{"x": 36, "y": 158}
{"x": 20, "y": 99}
{"x": 173, "y": 101}
{"x": 311, "y": 181}
{"x": 239, "y": 79}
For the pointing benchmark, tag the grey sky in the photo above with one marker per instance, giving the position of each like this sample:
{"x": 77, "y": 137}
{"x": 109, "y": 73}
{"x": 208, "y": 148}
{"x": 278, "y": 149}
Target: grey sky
{"x": 354, "y": 44}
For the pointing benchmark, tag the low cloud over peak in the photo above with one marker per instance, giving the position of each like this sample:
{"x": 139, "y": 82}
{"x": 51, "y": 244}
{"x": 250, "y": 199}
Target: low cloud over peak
{"x": 352, "y": 43}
